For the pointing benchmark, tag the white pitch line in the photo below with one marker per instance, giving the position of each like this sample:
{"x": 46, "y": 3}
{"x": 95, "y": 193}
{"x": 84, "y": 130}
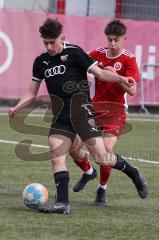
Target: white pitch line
{"x": 143, "y": 119}
{"x": 44, "y": 146}
{"x": 142, "y": 160}
{"x": 30, "y": 115}
{"x": 14, "y": 142}
{"x": 146, "y": 119}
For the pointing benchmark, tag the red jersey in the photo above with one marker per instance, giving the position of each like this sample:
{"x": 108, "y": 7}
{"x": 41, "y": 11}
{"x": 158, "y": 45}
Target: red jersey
{"x": 124, "y": 64}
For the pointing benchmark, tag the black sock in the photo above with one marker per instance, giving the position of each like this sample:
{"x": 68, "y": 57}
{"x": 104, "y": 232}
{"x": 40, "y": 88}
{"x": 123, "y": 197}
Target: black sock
{"x": 61, "y": 181}
{"x": 125, "y": 167}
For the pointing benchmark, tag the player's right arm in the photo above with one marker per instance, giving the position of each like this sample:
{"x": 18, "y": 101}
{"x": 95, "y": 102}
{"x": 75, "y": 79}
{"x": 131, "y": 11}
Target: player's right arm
{"x": 109, "y": 76}
{"x": 86, "y": 63}
{"x": 131, "y": 90}
{"x": 133, "y": 71}
{"x": 29, "y": 96}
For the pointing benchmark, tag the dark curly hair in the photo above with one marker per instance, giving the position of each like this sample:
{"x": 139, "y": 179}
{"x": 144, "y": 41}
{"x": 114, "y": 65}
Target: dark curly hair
{"x": 115, "y": 27}
{"x": 51, "y": 29}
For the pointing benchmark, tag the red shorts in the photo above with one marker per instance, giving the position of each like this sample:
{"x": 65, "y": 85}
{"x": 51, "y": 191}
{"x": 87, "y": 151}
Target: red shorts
{"x": 111, "y": 117}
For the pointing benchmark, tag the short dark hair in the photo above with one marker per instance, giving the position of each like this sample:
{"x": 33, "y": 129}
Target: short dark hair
{"x": 115, "y": 27}
{"x": 51, "y": 28}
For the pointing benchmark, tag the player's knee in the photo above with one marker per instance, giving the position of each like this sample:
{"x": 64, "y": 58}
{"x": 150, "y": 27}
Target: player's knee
{"x": 56, "y": 157}
{"x": 102, "y": 163}
{"x": 107, "y": 160}
{"x": 76, "y": 146}
{"x": 74, "y": 155}
{"x": 55, "y": 162}
{"x": 59, "y": 164}
{"x": 77, "y": 156}
{"x": 109, "y": 149}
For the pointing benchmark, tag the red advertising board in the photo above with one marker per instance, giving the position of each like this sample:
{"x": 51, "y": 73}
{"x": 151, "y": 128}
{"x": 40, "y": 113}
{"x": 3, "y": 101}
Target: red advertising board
{"x": 20, "y": 43}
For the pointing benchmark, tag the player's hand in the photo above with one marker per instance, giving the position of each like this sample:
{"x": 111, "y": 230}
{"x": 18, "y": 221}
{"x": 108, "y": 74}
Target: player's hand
{"x": 12, "y": 112}
{"x": 129, "y": 81}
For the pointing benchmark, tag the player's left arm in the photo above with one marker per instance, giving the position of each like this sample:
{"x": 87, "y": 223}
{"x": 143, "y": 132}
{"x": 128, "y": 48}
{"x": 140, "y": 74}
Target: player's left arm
{"x": 132, "y": 71}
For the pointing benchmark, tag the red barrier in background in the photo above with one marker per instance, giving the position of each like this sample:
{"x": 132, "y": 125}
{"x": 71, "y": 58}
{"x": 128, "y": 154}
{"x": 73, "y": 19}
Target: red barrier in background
{"x": 20, "y": 43}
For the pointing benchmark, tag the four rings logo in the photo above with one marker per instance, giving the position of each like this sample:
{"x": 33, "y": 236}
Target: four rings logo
{"x": 55, "y": 71}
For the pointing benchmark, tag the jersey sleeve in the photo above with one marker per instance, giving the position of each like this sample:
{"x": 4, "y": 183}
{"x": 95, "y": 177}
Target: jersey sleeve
{"x": 132, "y": 69}
{"x": 36, "y": 71}
{"x": 84, "y": 60}
{"x": 92, "y": 54}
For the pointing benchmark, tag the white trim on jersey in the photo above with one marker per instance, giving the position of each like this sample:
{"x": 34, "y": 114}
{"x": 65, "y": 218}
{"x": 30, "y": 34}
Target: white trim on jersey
{"x": 92, "y": 84}
{"x": 125, "y": 103}
{"x": 68, "y": 46}
{"x": 128, "y": 53}
{"x": 124, "y": 52}
{"x": 36, "y": 79}
{"x": 95, "y": 63}
{"x": 115, "y": 56}
{"x": 101, "y": 49}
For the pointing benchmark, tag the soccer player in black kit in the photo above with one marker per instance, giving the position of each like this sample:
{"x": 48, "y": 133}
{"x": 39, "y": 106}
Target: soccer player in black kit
{"x": 63, "y": 67}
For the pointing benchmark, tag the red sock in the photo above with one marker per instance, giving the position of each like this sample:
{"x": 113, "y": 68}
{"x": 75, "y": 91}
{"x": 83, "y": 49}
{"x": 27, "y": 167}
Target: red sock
{"x": 84, "y": 164}
{"x": 104, "y": 174}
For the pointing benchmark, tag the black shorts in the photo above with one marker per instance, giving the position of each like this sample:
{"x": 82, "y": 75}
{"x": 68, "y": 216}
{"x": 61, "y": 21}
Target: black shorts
{"x": 61, "y": 127}
{"x": 81, "y": 120}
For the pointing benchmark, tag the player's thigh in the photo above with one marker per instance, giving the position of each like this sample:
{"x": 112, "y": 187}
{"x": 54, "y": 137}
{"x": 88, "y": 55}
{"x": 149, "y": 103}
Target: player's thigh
{"x": 98, "y": 151}
{"x": 96, "y": 147}
{"x": 59, "y": 145}
{"x": 77, "y": 144}
{"x": 76, "y": 150}
{"x": 110, "y": 141}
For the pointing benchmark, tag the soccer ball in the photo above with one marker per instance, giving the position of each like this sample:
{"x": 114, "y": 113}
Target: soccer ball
{"x": 35, "y": 195}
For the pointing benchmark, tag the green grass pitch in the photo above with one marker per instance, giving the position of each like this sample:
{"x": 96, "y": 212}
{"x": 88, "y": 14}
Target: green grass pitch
{"x": 125, "y": 216}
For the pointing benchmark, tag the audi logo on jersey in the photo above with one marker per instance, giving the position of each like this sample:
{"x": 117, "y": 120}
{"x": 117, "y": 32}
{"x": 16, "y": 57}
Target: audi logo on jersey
{"x": 55, "y": 71}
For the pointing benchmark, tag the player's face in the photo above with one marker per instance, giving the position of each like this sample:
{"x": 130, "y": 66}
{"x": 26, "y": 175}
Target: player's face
{"x": 54, "y": 46}
{"x": 115, "y": 44}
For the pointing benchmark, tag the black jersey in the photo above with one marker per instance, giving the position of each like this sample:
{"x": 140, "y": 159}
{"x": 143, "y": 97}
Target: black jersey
{"x": 64, "y": 74}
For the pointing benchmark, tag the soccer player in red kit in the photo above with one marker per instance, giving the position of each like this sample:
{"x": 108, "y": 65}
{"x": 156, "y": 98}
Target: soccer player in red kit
{"x": 62, "y": 66}
{"x": 109, "y": 102}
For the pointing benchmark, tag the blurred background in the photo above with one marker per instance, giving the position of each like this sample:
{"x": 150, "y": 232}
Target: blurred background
{"x": 133, "y": 9}
{"x": 84, "y": 22}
